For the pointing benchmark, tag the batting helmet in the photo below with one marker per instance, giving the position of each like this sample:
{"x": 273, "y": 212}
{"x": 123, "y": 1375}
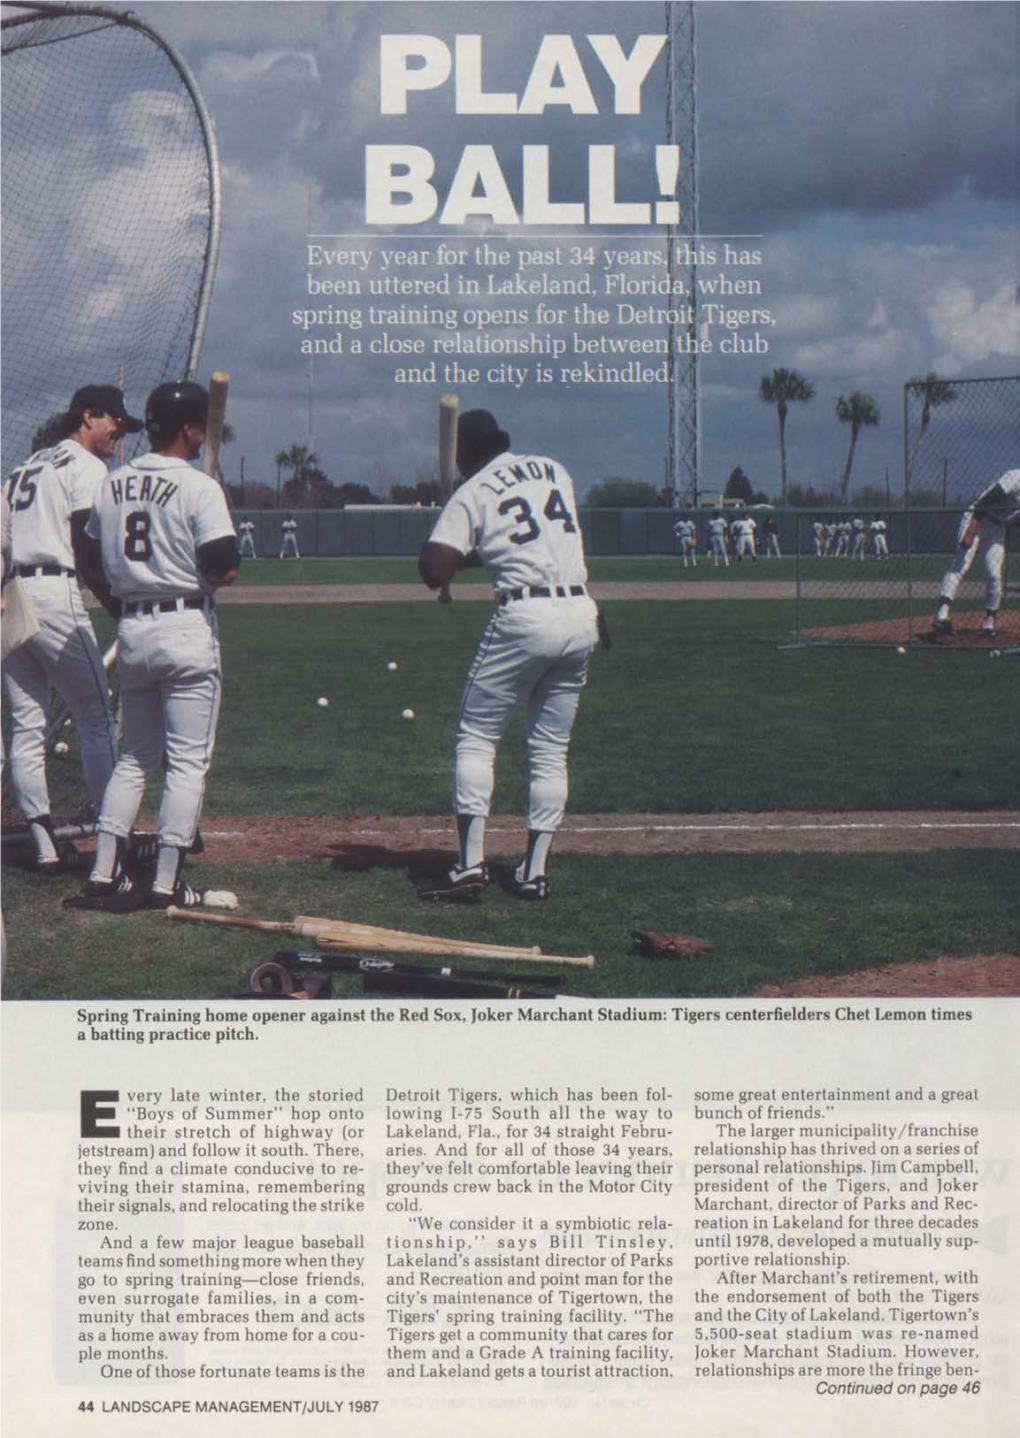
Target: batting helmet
{"x": 171, "y": 406}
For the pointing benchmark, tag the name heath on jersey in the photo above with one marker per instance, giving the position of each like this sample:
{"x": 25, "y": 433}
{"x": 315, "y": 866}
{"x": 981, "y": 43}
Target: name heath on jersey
{"x": 154, "y": 488}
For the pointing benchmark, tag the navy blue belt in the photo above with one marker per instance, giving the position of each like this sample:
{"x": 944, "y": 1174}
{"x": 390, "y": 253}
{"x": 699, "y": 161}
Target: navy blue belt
{"x": 164, "y": 606}
{"x": 541, "y": 591}
{"x": 33, "y": 571}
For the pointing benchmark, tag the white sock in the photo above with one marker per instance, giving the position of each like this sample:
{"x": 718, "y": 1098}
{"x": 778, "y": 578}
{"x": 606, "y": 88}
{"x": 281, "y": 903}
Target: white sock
{"x": 107, "y": 850}
{"x": 471, "y": 832}
{"x": 42, "y": 836}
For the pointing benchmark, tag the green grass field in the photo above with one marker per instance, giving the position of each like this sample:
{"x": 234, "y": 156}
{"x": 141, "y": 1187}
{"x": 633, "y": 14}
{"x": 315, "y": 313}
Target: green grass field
{"x": 695, "y": 709}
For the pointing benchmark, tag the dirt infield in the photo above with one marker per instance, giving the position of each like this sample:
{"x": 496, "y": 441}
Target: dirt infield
{"x": 367, "y": 841}
{"x": 919, "y": 634}
{"x": 984, "y": 976}
{"x": 265, "y": 839}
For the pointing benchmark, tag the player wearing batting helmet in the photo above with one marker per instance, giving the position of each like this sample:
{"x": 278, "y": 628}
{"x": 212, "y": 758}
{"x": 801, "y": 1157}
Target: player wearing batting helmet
{"x": 162, "y": 533}
{"x": 515, "y": 514}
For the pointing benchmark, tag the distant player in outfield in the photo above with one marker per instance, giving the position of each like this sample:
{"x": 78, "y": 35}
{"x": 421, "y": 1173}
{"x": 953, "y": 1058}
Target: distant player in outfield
{"x": 246, "y": 534}
{"x": 50, "y": 497}
{"x": 288, "y": 539}
{"x": 515, "y": 514}
{"x": 819, "y": 532}
{"x": 770, "y": 534}
{"x": 162, "y": 533}
{"x": 716, "y": 534}
{"x": 687, "y": 536}
{"x": 879, "y": 537}
{"x": 858, "y": 539}
{"x": 982, "y": 532}
{"x": 744, "y": 528}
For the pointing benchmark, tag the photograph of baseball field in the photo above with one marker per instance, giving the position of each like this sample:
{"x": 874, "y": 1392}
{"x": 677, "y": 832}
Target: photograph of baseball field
{"x": 828, "y": 819}
{"x": 784, "y": 761}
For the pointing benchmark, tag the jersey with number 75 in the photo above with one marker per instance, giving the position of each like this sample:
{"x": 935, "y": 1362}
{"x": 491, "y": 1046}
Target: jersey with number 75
{"x": 150, "y": 517}
{"x": 520, "y": 516}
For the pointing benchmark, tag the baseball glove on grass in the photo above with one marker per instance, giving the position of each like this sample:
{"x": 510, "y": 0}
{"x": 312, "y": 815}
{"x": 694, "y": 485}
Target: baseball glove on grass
{"x": 657, "y": 945}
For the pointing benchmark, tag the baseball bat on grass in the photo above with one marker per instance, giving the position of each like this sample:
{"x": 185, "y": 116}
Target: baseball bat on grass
{"x": 445, "y": 986}
{"x": 362, "y": 964}
{"x": 334, "y": 933}
{"x": 447, "y": 462}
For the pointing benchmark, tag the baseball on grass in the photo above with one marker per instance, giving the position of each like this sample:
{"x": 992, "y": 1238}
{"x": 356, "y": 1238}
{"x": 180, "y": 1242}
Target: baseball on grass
{"x": 322, "y": 702}
{"x": 407, "y": 713}
{"x": 901, "y": 649}
{"x": 61, "y": 748}
{"x": 391, "y": 666}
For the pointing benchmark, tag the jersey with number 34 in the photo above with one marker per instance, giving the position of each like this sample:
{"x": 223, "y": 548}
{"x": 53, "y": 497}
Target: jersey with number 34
{"x": 150, "y": 517}
{"x": 519, "y": 513}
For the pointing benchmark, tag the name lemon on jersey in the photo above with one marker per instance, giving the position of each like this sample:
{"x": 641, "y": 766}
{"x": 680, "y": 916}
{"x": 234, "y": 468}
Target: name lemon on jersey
{"x": 519, "y": 474}
{"x": 137, "y": 488}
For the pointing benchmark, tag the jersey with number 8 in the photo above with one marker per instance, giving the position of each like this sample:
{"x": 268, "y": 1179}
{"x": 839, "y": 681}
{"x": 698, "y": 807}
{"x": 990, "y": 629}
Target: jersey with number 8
{"x": 520, "y": 515}
{"x": 151, "y": 516}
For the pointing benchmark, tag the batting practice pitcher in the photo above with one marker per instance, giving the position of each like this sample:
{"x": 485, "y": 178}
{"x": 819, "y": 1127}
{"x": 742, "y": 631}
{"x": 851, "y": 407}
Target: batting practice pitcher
{"x": 50, "y": 498}
{"x": 163, "y": 535}
{"x": 516, "y": 515}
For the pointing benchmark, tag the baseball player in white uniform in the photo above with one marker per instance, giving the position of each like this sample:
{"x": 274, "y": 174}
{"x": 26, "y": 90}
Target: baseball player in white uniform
{"x": 744, "y": 528}
{"x": 716, "y": 534}
{"x": 246, "y": 534}
{"x": 50, "y": 497}
{"x": 859, "y": 539}
{"x": 982, "y": 532}
{"x": 687, "y": 534}
{"x": 879, "y": 537}
{"x": 818, "y": 529}
{"x": 288, "y": 538}
{"x": 516, "y": 515}
{"x": 165, "y": 539}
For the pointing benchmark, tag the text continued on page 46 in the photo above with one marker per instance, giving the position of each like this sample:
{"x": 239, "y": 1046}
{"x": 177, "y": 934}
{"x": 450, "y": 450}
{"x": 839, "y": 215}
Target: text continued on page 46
{"x": 376, "y": 1235}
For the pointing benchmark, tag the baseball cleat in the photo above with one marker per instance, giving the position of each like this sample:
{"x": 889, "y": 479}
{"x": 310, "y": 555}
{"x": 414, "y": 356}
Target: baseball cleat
{"x": 943, "y": 626}
{"x": 988, "y": 633}
{"x": 536, "y": 887}
{"x": 458, "y": 883}
{"x": 183, "y": 897}
{"x": 103, "y": 888}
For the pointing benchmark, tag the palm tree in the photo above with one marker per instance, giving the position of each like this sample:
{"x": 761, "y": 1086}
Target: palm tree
{"x": 782, "y": 388}
{"x": 856, "y": 411}
{"x": 937, "y": 392}
{"x": 300, "y": 461}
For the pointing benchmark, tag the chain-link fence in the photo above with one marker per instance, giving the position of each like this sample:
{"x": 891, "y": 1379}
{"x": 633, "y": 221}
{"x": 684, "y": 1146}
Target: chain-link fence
{"x": 876, "y": 578}
{"x": 959, "y": 436}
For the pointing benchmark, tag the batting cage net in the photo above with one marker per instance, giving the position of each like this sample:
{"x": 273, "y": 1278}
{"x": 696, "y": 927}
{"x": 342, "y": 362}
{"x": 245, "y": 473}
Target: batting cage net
{"x": 959, "y": 436}
{"x": 875, "y": 578}
{"x": 110, "y": 215}
{"x": 111, "y": 221}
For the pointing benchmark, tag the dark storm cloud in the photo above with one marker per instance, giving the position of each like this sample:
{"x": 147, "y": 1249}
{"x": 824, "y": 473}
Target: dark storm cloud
{"x": 875, "y": 108}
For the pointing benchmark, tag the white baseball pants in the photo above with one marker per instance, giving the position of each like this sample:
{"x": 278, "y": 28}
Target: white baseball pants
{"x": 990, "y": 543}
{"x": 170, "y": 687}
{"x": 63, "y": 656}
{"x": 534, "y": 652}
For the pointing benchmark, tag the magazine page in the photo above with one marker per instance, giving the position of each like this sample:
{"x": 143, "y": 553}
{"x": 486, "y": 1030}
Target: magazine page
{"x": 510, "y": 757}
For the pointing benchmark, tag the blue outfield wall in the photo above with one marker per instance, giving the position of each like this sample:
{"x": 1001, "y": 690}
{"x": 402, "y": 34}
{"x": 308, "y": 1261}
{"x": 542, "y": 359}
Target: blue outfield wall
{"x": 398, "y": 529}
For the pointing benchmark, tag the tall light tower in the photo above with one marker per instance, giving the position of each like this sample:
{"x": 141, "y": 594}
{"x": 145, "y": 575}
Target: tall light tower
{"x": 681, "y": 242}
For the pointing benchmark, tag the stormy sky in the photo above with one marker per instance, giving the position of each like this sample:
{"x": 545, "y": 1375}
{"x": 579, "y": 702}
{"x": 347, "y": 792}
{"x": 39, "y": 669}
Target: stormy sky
{"x": 873, "y": 147}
